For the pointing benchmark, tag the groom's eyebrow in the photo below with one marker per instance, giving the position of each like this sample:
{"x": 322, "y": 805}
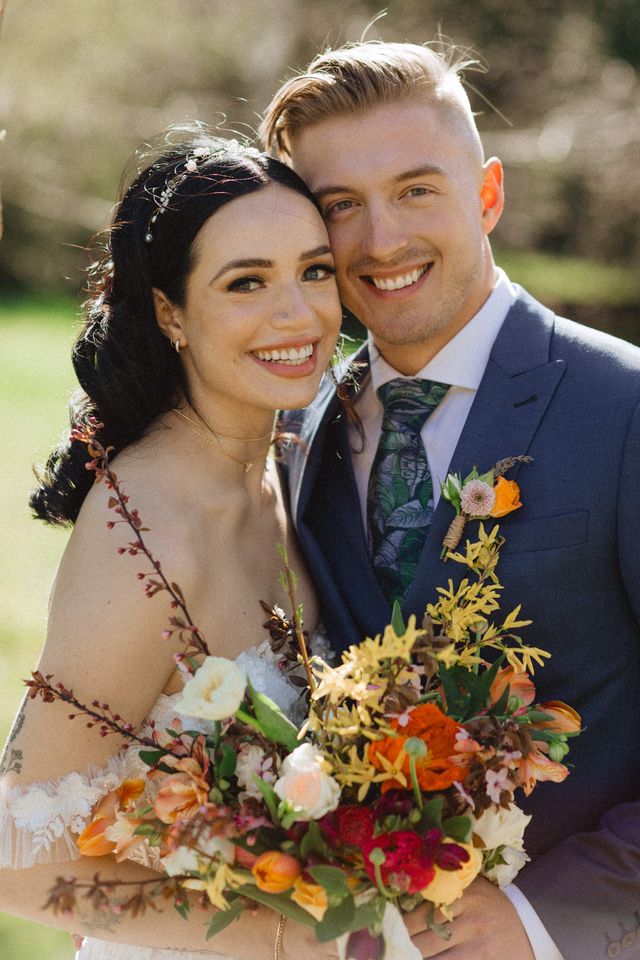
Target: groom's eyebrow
{"x": 426, "y": 170}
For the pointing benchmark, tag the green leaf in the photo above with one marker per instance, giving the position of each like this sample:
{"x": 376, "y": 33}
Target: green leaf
{"x": 280, "y": 902}
{"x": 227, "y": 763}
{"x": 332, "y": 879}
{"x": 433, "y": 811}
{"x": 269, "y": 796}
{"x": 487, "y": 477}
{"x": 223, "y": 918}
{"x": 369, "y": 914}
{"x": 313, "y": 841}
{"x": 151, "y": 757}
{"x": 458, "y": 828}
{"x": 397, "y": 620}
{"x": 272, "y": 720}
{"x": 183, "y": 909}
{"x": 336, "y": 921}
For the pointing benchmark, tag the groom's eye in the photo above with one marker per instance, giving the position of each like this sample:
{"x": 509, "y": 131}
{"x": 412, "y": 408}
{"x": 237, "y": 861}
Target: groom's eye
{"x": 338, "y": 207}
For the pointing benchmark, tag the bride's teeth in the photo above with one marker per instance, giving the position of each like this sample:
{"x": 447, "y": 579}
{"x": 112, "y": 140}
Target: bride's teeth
{"x": 294, "y": 356}
{"x": 397, "y": 283}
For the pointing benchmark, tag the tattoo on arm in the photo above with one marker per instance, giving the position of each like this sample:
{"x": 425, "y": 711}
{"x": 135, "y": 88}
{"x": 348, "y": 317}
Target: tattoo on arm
{"x": 11, "y": 760}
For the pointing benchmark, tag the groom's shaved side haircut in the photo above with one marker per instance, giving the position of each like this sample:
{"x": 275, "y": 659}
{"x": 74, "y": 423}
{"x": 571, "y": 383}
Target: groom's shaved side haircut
{"x": 360, "y": 76}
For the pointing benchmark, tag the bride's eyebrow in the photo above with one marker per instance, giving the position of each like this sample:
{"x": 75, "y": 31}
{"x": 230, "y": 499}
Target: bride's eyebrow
{"x": 249, "y": 262}
{"x": 241, "y": 265}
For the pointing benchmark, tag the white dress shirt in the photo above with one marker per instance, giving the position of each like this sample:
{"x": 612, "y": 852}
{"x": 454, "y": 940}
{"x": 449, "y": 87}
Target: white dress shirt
{"x": 461, "y": 363}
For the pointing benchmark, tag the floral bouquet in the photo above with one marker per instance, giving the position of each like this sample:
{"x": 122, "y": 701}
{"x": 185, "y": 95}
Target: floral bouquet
{"x": 396, "y": 790}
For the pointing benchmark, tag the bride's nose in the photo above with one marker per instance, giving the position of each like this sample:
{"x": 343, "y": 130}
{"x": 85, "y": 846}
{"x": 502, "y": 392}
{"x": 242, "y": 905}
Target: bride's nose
{"x": 293, "y": 310}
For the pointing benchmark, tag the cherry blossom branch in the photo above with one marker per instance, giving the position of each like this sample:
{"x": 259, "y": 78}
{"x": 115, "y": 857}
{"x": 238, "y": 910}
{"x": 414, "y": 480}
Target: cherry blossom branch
{"x": 289, "y": 583}
{"x": 100, "y": 714}
{"x": 62, "y": 897}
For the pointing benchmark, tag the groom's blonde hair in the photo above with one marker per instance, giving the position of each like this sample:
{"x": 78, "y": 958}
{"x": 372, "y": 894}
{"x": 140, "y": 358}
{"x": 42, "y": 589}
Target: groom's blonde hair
{"x": 359, "y": 76}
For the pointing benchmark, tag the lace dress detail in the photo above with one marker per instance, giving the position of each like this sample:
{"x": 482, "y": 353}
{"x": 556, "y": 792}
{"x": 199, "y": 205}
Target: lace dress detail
{"x": 40, "y": 823}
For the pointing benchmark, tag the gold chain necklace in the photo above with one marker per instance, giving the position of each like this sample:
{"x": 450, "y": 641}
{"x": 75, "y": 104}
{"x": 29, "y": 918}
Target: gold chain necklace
{"x": 214, "y": 440}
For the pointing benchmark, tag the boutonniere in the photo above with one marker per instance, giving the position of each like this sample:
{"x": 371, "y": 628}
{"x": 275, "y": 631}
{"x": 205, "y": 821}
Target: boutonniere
{"x": 479, "y": 497}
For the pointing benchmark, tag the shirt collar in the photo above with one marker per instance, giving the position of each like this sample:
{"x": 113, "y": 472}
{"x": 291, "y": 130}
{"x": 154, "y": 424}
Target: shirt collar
{"x": 462, "y": 361}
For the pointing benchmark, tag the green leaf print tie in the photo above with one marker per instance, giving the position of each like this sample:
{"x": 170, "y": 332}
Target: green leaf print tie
{"x": 400, "y": 494}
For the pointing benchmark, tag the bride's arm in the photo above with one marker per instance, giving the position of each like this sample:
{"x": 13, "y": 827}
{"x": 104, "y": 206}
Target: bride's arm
{"x": 251, "y": 937}
{"x": 104, "y": 641}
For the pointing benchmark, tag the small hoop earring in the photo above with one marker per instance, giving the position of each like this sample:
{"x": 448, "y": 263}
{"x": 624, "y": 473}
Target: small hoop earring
{"x": 176, "y": 345}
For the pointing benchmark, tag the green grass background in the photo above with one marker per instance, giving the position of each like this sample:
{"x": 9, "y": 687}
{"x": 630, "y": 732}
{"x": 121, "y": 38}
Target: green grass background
{"x": 36, "y": 379}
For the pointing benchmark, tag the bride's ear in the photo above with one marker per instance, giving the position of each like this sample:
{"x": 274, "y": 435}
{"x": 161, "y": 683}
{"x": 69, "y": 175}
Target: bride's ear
{"x": 169, "y": 318}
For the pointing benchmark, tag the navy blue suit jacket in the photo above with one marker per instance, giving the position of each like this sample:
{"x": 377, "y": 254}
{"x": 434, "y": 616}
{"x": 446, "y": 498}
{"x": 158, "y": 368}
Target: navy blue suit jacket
{"x": 569, "y": 397}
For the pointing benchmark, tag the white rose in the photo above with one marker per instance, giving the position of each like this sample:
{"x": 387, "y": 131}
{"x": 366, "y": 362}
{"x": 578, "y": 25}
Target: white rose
{"x": 500, "y": 827}
{"x": 187, "y": 860}
{"x": 215, "y": 692}
{"x": 181, "y": 860}
{"x": 305, "y": 785}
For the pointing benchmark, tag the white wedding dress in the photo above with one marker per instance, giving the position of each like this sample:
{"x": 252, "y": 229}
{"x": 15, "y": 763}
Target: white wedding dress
{"x": 39, "y": 823}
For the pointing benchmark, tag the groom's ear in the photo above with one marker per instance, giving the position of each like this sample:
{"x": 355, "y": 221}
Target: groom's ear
{"x": 168, "y": 317}
{"x": 491, "y": 194}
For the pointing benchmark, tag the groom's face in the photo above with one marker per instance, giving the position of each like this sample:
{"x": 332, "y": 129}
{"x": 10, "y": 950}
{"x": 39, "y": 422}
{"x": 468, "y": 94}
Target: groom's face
{"x": 408, "y": 203}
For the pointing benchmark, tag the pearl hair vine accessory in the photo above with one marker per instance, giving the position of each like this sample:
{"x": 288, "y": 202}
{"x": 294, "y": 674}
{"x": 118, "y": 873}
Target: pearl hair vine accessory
{"x": 199, "y": 154}
{"x": 190, "y": 166}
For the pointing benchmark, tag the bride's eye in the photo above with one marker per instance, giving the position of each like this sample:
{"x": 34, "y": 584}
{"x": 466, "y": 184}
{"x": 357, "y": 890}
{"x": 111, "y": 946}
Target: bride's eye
{"x": 319, "y": 271}
{"x": 245, "y": 284}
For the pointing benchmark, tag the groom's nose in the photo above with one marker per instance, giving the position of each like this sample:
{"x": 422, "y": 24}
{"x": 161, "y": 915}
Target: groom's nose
{"x": 384, "y": 233}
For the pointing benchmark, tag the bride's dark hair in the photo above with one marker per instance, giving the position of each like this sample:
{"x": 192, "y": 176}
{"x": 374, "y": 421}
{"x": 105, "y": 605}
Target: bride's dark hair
{"x": 128, "y": 372}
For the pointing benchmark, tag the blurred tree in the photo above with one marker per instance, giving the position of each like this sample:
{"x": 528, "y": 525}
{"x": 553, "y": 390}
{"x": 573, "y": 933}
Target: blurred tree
{"x": 82, "y": 84}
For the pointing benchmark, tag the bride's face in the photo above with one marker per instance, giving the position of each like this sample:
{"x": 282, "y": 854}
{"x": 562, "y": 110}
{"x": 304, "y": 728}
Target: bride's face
{"x": 262, "y": 313}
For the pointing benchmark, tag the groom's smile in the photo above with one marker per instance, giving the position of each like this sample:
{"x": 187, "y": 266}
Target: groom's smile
{"x": 407, "y": 281}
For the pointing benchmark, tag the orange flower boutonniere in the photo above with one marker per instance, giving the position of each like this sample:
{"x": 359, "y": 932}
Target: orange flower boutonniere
{"x": 479, "y": 497}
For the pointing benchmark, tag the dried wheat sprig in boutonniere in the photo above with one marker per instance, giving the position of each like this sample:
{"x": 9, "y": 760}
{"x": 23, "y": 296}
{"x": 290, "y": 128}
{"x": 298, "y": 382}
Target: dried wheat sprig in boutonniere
{"x": 480, "y": 496}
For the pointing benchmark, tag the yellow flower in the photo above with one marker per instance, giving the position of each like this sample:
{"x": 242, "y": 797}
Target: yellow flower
{"x": 311, "y": 897}
{"x": 223, "y": 878}
{"x": 448, "y": 885}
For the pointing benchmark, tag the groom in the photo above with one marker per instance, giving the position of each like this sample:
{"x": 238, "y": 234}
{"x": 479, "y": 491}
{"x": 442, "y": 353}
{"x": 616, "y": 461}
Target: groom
{"x": 385, "y": 137}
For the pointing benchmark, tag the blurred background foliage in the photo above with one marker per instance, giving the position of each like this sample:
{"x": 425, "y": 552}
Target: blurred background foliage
{"x": 82, "y": 84}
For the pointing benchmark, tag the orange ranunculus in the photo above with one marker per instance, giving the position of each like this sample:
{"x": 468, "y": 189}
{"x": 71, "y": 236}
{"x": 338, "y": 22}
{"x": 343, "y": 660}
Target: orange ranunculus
{"x": 180, "y": 798}
{"x": 275, "y": 872}
{"x": 565, "y": 719}
{"x": 507, "y": 497}
{"x": 536, "y": 766}
{"x": 92, "y": 841}
{"x": 184, "y": 792}
{"x": 311, "y": 897}
{"x": 520, "y": 686}
{"x": 439, "y": 768}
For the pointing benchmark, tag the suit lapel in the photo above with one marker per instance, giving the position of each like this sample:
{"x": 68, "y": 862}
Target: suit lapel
{"x": 513, "y": 396}
{"x": 326, "y": 500}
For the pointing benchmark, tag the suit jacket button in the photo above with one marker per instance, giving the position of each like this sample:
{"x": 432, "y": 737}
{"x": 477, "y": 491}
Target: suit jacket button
{"x": 614, "y": 949}
{"x": 629, "y": 938}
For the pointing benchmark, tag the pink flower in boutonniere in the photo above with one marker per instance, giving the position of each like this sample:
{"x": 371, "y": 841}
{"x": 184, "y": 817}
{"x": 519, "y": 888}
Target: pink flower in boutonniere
{"x": 479, "y": 497}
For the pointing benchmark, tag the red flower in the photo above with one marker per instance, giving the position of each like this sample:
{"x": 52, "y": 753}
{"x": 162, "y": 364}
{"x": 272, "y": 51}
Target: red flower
{"x": 447, "y": 856}
{"x": 355, "y": 824}
{"x": 408, "y": 864}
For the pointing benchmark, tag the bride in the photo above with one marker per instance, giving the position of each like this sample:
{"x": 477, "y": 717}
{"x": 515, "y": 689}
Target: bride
{"x": 213, "y": 306}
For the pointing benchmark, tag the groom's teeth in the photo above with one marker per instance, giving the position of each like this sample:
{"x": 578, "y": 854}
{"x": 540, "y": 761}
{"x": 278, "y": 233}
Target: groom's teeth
{"x": 397, "y": 283}
{"x": 294, "y": 356}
